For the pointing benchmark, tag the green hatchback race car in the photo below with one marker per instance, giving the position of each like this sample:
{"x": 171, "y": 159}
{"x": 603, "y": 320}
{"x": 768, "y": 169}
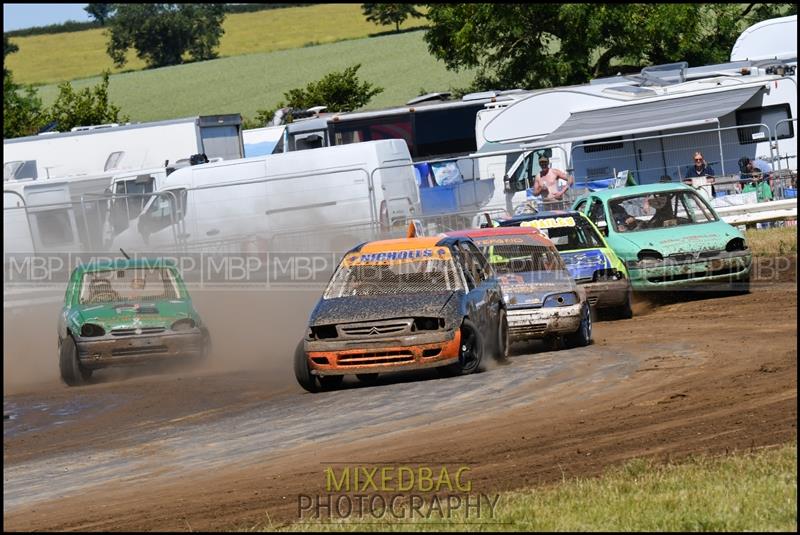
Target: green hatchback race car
{"x": 669, "y": 237}
{"x": 126, "y": 312}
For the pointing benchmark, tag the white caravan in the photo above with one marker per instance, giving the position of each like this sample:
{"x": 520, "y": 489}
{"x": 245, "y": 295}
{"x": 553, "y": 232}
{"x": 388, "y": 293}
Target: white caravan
{"x": 319, "y": 199}
{"x": 651, "y": 123}
{"x": 109, "y": 148}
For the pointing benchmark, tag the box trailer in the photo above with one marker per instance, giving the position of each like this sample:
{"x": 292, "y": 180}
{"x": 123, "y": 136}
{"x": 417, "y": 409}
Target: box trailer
{"x": 105, "y": 148}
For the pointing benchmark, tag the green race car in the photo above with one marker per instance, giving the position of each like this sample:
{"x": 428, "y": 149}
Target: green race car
{"x": 126, "y": 312}
{"x": 669, "y": 237}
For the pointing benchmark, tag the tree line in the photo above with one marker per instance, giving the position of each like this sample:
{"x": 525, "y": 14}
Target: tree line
{"x": 526, "y": 46}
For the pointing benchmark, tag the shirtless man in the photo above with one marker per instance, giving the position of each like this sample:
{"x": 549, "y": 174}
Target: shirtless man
{"x": 549, "y": 183}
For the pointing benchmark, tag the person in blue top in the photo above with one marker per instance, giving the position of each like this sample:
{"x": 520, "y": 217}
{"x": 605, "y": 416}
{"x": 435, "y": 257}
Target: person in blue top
{"x": 700, "y": 168}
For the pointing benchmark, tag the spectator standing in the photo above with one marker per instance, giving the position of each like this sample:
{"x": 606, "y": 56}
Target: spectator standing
{"x": 551, "y": 184}
{"x": 700, "y": 168}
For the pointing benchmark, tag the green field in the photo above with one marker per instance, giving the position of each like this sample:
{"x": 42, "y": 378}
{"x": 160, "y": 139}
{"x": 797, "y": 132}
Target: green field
{"x": 399, "y": 63}
{"x": 744, "y": 492}
{"x": 45, "y": 59}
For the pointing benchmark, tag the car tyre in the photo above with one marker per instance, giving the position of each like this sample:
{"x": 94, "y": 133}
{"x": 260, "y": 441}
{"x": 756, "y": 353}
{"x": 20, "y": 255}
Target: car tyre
{"x": 740, "y": 287}
{"x": 583, "y": 336}
{"x": 302, "y": 372}
{"x": 625, "y": 311}
{"x": 501, "y": 350}
{"x": 72, "y": 373}
{"x": 206, "y": 350}
{"x": 470, "y": 352}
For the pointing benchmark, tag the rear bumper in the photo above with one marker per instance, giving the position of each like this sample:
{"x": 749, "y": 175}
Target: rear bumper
{"x": 728, "y": 267}
{"x": 390, "y": 355}
{"x": 105, "y": 351}
{"x": 608, "y": 293}
{"x": 530, "y": 323}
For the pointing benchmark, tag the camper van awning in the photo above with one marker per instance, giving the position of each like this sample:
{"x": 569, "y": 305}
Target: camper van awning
{"x": 489, "y": 149}
{"x": 648, "y": 116}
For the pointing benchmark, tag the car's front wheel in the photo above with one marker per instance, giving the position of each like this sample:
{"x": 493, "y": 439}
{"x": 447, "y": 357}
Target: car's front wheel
{"x": 625, "y": 310}
{"x": 583, "y": 336}
{"x": 470, "y": 352}
{"x": 302, "y": 372}
{"x": 501, "y": 349}
{"x": 72, "y": 373}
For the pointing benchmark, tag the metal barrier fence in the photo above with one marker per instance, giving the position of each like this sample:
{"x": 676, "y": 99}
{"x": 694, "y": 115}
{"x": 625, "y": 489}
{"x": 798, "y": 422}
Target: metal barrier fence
{"x": 338, "y": 209}
{"x": 651, "y": 158}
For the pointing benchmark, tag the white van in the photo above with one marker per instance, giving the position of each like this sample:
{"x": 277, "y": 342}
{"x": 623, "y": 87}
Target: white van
{"x": 320, "y": 199}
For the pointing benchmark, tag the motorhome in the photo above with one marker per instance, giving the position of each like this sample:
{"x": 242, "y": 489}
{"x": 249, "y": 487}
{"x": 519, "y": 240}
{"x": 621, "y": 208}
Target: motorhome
{"x": 324, "y": 199}
{"x": 650, "y": 124}
{"x": 114, "y": 148}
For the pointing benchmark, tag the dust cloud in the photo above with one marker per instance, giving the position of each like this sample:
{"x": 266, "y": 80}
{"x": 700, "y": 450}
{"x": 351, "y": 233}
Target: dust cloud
{"x": 254, "y": 329}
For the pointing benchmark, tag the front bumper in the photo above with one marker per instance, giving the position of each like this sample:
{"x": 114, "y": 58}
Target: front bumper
{"x": 607, "y": 293}
{"x": 411, "y": 352}
{"x": 530, "y": 323}
{"x": 110, "y": 350}
{"x": 724, "y": 268}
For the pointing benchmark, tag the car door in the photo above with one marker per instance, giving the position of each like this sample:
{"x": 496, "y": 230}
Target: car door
{"x": 485, "y": 297}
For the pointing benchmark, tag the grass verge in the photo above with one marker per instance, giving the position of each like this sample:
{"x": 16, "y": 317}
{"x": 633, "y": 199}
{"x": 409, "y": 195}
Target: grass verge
{"x": 755, "y": 491}
{"x": 772, "y": 241}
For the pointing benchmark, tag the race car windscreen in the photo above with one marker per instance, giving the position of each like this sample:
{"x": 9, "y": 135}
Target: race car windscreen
{"x": 567, "y": 233}
{"x": 391, "y": 274}
{"x": 519, "y": 254}
{"x": 659, "y": 210}
{"x": 128, "y": 286}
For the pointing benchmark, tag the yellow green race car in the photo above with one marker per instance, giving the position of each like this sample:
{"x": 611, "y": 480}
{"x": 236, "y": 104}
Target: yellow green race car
{"x": 589, "y": 259}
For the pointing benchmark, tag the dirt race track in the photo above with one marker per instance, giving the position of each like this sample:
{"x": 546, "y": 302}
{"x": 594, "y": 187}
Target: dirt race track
{"x": 222, "y": 447}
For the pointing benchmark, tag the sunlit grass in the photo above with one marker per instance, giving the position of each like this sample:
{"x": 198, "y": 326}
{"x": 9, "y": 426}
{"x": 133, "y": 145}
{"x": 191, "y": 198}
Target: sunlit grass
{"x": 743, "y": 492}
{"x": 772, "y": 241}
{"x": 243, "y": 84}
{"x": 47, "y": 59}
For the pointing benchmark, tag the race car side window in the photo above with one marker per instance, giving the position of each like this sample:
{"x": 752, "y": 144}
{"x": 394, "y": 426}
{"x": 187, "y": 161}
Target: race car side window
{"x": 471, "y": 263}
{"x": 598, "y": 215}
{"x": 463, "y": 263}
{"x": 487, "y": 272}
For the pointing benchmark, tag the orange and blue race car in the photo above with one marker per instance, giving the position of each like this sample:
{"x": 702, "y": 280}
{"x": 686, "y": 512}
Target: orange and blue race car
{"x": 404, "y": 304}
